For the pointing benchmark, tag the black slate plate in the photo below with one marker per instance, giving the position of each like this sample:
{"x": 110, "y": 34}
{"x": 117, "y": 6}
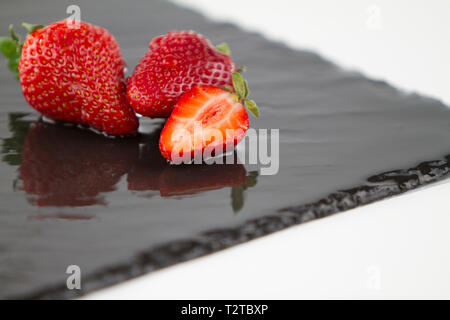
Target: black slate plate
{"x": 117, "y": 210}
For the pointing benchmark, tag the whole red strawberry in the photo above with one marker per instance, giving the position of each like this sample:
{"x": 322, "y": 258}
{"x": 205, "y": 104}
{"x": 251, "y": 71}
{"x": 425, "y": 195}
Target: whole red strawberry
{"x": 174, "y": 64}
{"x": 74, "y": 73}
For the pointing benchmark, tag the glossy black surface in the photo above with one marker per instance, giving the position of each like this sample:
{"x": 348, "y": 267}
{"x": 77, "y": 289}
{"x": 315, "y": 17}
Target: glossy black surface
{"x": 116, "y": 209}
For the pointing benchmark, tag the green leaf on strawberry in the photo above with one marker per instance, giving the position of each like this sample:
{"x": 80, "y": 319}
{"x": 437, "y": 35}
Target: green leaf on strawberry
{"x": 11, "y": 47}
{"x": 239, "y": 85}
{"x": 13, "y": 65}
{"x": 13, "y": 35}
{"x": 8, "y": 47}
{"x": 223, "y": 47}
{"x": 241, "y": 90}
{"x": 252, "y": 107}
{"x": 247, "y": 91}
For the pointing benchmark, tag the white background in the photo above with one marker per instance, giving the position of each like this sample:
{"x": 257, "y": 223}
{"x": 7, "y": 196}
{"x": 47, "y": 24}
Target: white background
{"x": 396, "y": 248}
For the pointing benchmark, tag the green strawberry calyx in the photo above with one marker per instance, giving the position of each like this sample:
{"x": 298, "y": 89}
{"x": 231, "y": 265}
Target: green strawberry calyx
{"x": 240, "y": 91}
{"x": 11, "y": 47}
{"x": 225, "y": 49}
{"x": 240, "y": 86}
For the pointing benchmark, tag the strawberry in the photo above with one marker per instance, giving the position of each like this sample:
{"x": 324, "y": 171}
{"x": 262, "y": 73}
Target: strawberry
{"x": 207, "y": 121}
{"x": 74, "y": 74}
{"x": 174, "y": 64}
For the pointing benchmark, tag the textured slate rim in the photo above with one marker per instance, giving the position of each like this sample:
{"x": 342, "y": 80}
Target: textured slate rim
{"x": 378, "y": 187}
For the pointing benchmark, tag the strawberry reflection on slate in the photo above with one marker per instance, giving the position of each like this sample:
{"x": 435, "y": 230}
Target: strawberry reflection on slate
{"x": 68, "y": 166}
{"x": 151, "y": 172}
{"x": 192, "y": 179}
{"x": 145, "y": 172}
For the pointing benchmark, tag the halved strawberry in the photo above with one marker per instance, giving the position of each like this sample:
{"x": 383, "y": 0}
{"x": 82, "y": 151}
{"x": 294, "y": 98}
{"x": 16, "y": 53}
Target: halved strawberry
{"x": 199, "y": 120}
{"x": 207, "y": 121}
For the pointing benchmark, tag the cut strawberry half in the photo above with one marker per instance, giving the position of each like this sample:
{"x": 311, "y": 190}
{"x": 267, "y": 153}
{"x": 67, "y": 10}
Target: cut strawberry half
{"x": 206, "y": 121}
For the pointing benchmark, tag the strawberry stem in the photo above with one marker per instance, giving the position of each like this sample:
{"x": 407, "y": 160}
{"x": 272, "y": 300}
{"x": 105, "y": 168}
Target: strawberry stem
{"x": 32, "y": 27}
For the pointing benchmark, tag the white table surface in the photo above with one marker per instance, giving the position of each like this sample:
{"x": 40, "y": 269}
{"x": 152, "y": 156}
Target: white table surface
{"x": 395, "y": 248}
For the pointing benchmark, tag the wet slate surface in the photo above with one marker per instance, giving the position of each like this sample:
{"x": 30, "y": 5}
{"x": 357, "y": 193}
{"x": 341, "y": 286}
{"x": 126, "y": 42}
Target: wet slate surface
{"x": 116, "y": 209}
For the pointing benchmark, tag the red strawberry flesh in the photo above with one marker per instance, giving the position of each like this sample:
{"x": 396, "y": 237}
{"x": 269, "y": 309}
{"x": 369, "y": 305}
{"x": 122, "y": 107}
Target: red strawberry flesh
{"x": 205, "y": 117}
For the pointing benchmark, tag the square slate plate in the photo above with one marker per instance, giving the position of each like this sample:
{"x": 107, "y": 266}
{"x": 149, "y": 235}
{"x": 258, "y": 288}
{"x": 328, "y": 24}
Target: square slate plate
{"x": 115, "y": 208}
